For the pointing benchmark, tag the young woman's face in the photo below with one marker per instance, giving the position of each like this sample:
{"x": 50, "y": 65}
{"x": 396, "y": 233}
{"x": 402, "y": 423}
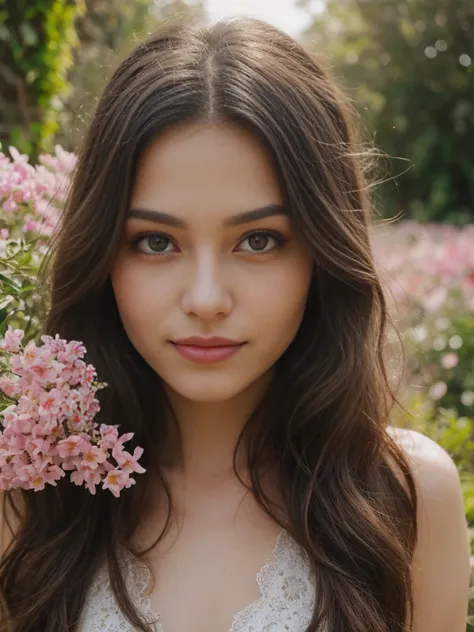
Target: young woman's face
{"x": 195, "y": 262}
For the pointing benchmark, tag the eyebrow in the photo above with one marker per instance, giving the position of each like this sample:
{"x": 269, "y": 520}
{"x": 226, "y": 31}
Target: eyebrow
{"x": 253, "y": 215}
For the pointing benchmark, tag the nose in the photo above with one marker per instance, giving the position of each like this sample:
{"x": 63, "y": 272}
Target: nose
{"x": 205, "y": 294}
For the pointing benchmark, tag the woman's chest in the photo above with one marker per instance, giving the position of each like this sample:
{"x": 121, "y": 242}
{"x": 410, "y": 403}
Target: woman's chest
{"x": 222, "y": 566}
{"x": 224, "y": 593}
{"x": 205, "y": 566}
{"x": 203, "y": 577}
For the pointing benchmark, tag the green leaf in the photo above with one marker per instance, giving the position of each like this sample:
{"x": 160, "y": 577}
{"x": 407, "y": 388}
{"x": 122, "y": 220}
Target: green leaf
{"x": 10, "y": 282}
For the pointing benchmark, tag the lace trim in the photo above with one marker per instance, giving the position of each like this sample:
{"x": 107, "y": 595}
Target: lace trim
{"x": 137, "y": 583}
{"x": 286, "y": 592}
{"x": 286, "y": 600}
{"x": 264, "y": 581}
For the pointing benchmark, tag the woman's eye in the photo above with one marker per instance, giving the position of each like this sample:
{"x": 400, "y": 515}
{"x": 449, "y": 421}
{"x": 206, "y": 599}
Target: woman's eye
{"x": 156, "y": 242}
{"x": 262, "y": 241}
{"x": 159, "y": 244}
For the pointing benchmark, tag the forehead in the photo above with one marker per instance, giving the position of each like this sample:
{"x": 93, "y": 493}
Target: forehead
{"x": 205, "y": 168}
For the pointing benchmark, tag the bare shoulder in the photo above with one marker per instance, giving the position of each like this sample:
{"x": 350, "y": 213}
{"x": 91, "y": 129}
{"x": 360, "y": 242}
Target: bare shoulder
{"x": 441, "y": 560}
{"x": 431, "y": 463}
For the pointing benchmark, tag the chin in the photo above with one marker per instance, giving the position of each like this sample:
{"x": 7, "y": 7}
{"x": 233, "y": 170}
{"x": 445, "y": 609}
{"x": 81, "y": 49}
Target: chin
{"x": 208, "y": 389}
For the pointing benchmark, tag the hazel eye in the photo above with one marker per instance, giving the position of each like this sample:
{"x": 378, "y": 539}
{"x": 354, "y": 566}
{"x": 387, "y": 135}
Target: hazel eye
{"x": 157, "y": 242}
{"x": 262, "y": 242}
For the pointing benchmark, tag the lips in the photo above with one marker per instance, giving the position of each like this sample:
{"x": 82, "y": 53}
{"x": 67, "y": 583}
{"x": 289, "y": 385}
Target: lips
{"x": 207, "y": 350}
{"x": 214, "y": 341}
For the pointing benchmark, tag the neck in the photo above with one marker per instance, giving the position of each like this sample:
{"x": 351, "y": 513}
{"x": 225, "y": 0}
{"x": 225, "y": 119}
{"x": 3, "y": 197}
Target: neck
{"x": 203, "y": 448}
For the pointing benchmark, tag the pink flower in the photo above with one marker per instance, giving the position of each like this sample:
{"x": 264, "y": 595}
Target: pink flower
{"x": 41, "y": 461}
{"x": 129, "y": 463}
{"x": 56, "y": 344}
{"x": 51, "y": 428}
{"x": 39, "y": 446}
{"x": 19, "y": 424}
{"x": 116, "y": 480}
{"x": 8, "y": 386}
{"x": 50, "y": 403}
{"x": 109, "y": 436}
{"x": 54, "y": 473}
{"x": 12, "y": 340}
{"x": 43, "y": 374}
{"x": 91, "y": 478}
{"x": 34, "y": 356}
{"x": 31, "y": 226}
{"x": 28, "y": 477}
{"x": 449, "y": 360}
{"x": 48, "y": 428}
{"x": 93, "y": 457}
{"x": 16, "y": 444}
{"x": 72, "y": 446}
{"x": 36, "y": 479}
{"x": 119, "y": 443}
{"x": 71, "y": 463}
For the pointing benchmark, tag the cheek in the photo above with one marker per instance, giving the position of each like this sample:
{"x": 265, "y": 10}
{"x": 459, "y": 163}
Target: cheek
{"x": 282, "y": 302}
{"x": 139, "y": 290}
{"x": 138, "y": 299}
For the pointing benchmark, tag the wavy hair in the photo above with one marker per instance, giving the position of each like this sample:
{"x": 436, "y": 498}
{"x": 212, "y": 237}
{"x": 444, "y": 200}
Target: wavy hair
{"x": 346, "y": 487}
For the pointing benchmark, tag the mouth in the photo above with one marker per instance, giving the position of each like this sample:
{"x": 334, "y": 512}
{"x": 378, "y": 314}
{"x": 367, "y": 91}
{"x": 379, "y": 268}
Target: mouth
{"x": 207, "y": 350}
{"x": 213, "y": 341}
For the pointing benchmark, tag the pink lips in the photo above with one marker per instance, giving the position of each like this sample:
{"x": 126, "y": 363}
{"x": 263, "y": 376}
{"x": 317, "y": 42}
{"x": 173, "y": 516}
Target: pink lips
{"x": 207, "y": 350}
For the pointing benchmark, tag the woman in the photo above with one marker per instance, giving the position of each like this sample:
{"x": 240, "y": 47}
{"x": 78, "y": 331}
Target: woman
{"x": 214, "y": 258}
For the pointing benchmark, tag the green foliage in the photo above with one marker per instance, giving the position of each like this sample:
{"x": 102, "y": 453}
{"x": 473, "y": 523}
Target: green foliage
{"x": 449, "y": 333}
{"x": 37, "y": 38}
{"x": 25, "y": 233}
{"x": 108, "y": 30}
{"x": 56, "y": 57}
{"x": 20, "y": 304}
{"x": 409, "y": 65}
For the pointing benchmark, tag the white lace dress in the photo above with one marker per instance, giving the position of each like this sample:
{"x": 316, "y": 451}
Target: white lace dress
{"x": 286, "y": 596}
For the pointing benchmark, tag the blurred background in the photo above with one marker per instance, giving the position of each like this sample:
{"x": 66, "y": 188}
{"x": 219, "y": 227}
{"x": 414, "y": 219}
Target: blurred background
{"x": 408, "y": 65}
{"x": 408, "y": 68}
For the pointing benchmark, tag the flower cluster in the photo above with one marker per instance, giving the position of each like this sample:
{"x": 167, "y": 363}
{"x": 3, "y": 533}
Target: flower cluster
{"x": 33, "y": 194}
{"x": 425, "y": 264}
{"x": 50, "y": 428}
{"x": 430, "y": 272}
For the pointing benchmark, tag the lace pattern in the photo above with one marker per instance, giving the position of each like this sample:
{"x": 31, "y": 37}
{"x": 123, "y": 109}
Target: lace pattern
{"x": 102, "y": 613}
{"x": 285, "y": 604}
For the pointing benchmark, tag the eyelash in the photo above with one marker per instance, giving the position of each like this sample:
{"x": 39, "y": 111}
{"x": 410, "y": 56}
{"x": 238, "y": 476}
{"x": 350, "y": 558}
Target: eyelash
{"x": 278, "y": 237}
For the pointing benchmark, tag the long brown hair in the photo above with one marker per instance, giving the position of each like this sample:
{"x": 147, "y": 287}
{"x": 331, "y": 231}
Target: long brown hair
{"x": 346, "y": 486}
